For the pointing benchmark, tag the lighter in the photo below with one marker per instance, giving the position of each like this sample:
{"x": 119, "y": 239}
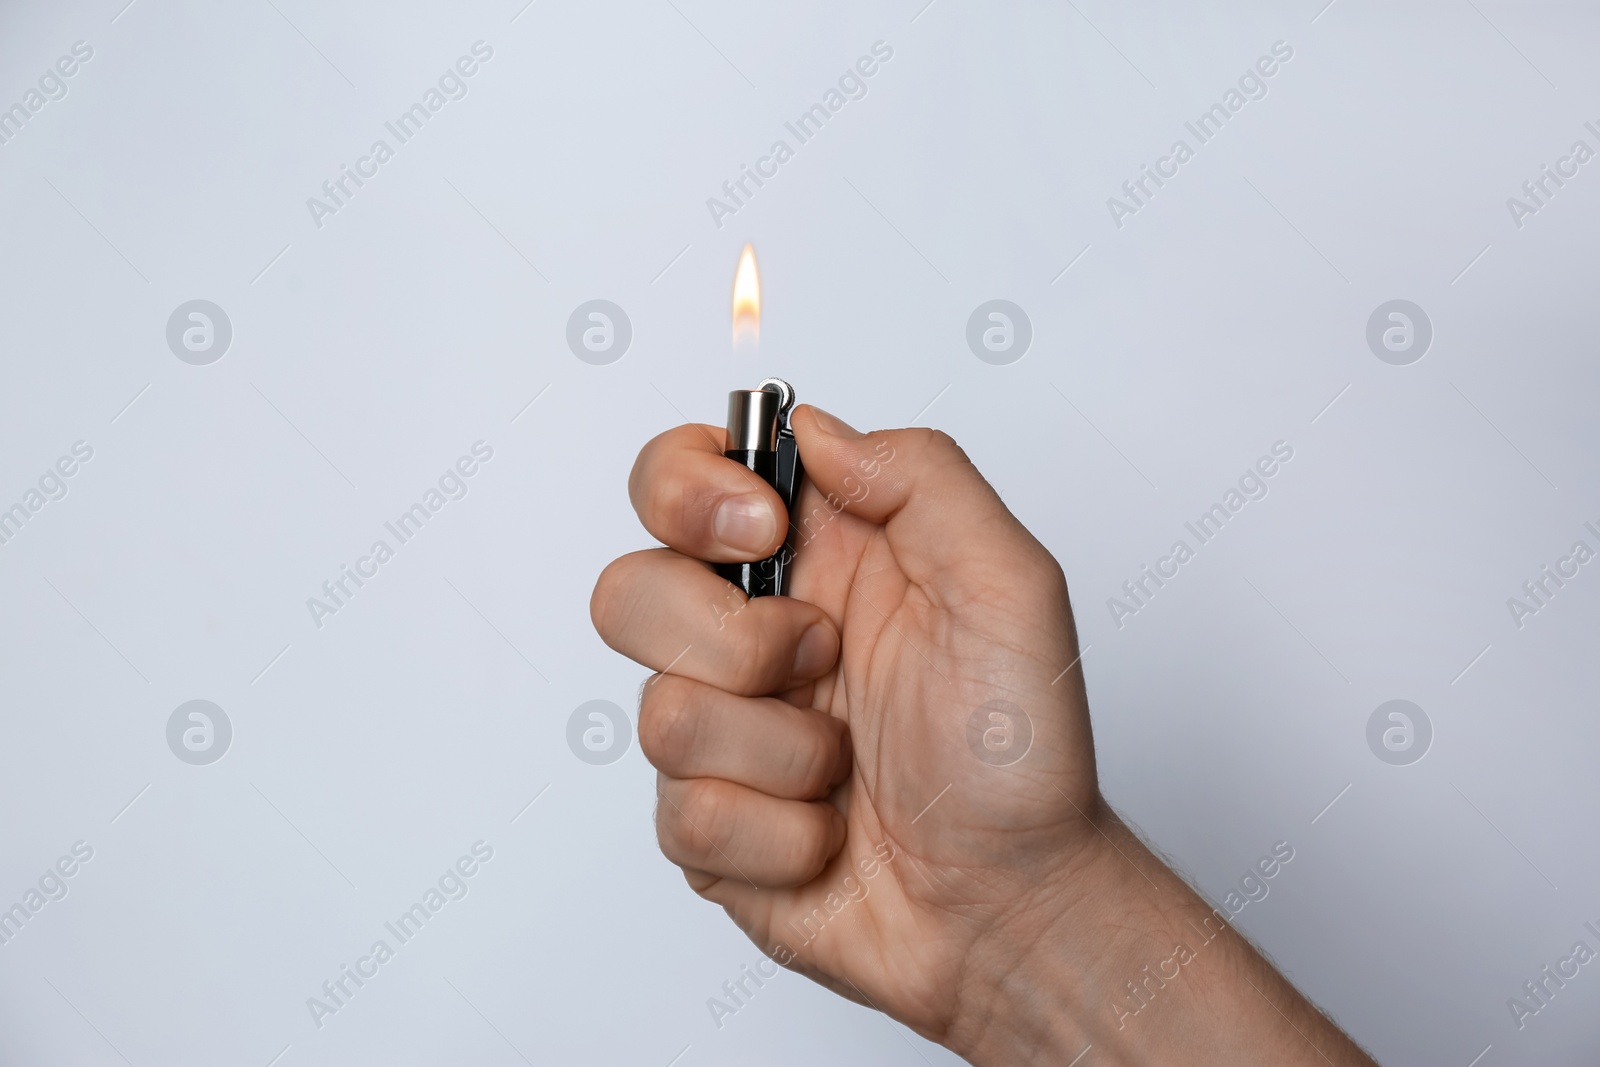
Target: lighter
{"x": 760, "y": 438}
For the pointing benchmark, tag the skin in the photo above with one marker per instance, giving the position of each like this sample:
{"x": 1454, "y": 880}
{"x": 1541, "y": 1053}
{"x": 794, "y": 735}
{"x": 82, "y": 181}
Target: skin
{"x": 820, "y": 775}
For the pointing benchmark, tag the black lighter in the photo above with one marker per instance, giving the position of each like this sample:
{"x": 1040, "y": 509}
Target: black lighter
{"x": 760, "y": 438}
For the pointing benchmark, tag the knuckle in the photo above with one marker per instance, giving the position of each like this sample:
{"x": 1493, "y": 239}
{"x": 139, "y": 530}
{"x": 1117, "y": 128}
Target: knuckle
{"x": 811, "y": 762}
{"x": 652, "y": 467}
{"x": 925, "y": 448}
{"x": 667, "y": 722}
{"x": 929, "y": 446}
{"x": 617, "y": 598}
{"x": 691, "y": 506}
{"x": 603, "y": 601}
{"x": 750, "y": 651}
{"x": 923, "y": 440}
{"x": 702, "y": 882}
{"x": 639, "y": 475}
{"x": 707, "y": 817}
{"x": 673, "y": 832}
{"x": 944, "y": 447}
{"x": 1056, "y": 576}
{"x": 817, "y": 849}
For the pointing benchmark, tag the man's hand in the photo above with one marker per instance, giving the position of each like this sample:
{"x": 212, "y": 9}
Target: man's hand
{"x": 888, "y": 780}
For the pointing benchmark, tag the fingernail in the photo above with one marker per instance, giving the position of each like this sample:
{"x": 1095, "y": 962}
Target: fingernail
{"x": 818, "y": 647}
{"x": 745, "y": 523}
{"x": 835, "y": 427}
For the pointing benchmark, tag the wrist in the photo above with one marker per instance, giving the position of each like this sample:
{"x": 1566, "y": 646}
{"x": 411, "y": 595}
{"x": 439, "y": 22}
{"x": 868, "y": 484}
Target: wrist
{"x": 1114, "y": 950}
{"x": 1032, "y": 988}
{"x": 1110, "y": 935}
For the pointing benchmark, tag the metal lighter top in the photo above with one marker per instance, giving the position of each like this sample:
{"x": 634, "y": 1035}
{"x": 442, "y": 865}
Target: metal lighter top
{"x": 759, "y": 438}
{"x": 756, "y": 416}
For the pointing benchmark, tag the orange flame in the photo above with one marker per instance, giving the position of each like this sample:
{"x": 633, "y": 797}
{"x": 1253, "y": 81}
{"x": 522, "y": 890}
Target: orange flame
{"x": 747, "y": 298}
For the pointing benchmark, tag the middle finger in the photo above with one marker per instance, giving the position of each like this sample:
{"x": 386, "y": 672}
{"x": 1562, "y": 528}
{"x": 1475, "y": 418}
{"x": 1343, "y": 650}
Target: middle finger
{"x": 673, "y": 615}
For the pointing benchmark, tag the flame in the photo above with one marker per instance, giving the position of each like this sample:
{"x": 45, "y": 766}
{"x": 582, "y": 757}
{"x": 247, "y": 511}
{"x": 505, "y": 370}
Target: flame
{"x": 747, "y": 298}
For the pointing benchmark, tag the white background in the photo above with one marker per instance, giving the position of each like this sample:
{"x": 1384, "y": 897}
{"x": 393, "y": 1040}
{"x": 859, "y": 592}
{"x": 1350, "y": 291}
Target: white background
{"x": 371, "y": 352}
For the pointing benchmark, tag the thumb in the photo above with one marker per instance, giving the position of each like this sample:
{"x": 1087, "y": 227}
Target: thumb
{"x": 945, "y": 524}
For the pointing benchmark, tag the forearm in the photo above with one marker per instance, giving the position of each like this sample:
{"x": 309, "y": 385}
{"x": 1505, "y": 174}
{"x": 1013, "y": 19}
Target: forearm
{"x": 1137, "y": 965}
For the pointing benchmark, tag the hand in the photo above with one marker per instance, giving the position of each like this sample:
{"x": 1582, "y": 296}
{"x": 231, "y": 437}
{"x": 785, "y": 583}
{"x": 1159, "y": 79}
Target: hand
{"x": 913, "y": 820}
{"x": 914, "y": 606}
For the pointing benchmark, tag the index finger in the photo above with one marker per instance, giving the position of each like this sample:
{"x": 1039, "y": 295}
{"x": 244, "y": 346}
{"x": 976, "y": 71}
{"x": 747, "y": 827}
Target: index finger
{"x": 695, "y": 500}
